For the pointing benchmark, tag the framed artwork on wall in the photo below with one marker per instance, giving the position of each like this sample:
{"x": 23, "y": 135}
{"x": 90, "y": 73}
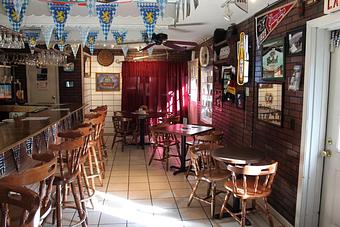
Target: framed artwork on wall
{"x": 218, "y": 99}
{"x": 273, "y": 55}
{"x": 107, "y": 81}
{"x": 270, "y": 103}
{"x": 296, "y": 42}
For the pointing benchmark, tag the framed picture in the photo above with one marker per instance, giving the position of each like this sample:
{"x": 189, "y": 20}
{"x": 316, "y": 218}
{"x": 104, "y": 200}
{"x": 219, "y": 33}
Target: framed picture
{"x": 296, "y": 42}
{"x": 273, "y": 53}
{"x": 240, "y": 99}
{"x": 69, "y": 67}
{"x": 87, "y": 65}
{"x": 270, "y": 103}
{"x": 107, "y": 81}
{"x": 294, "y": 81}
{"x": 218, "y": 99}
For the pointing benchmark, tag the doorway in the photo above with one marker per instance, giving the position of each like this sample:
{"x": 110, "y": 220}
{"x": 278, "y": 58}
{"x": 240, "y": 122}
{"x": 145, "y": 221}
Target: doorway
{"x": 318, "y": 93}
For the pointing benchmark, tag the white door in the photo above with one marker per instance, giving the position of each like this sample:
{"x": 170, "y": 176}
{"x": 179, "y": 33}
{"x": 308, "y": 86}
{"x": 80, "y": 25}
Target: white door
{"x": 193, "y": 91}
{"x": 330, "y": 201}
{"x": 42, "y": 85}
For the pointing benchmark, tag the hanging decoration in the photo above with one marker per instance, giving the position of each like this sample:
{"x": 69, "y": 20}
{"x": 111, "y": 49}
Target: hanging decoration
{"x": 144, "y": 36}
{"x": 29, "y": 146}
{"x": 32, "y": 37}
{"x": 2, "y": 164}
{"x": 125, "y": 50}
{"x": 84, "y": 32}
{"x": 47, "y": 31}
{"x": 188, "y": 8}
{"x": 15, "y": 18}
{"x": 150, "y": 51}
{"x": 268, "y": 21}
{"x": 75, "y": 47}
{"x": 119, "y": 37}
{"x": 105, "y": 13}
{"x": 62, "y": 41}
{"x": 18, "y": 5}
{"x": 196, "y": 3}
{"x": 59, "y": 13}
{"x": 90, "y": 6}
{"x": 91, "y": 41}
{"x": 149, "y": 12}
{"x": 162, "y": 6}
{"x": 242, "y": 4}
{"x": 335, "y": 40}
{"x": 243, "y": 60}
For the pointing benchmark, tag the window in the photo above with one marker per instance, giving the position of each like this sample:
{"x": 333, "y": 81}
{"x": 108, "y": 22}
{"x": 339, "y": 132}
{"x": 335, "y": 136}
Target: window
{"x": 206, "y": 94}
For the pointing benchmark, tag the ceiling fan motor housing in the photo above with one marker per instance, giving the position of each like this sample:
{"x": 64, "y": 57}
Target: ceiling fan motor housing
{"x": 159, "y": 38}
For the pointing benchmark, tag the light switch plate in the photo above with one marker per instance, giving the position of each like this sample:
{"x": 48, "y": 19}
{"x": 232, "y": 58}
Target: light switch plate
{"x": 247, "y": 91}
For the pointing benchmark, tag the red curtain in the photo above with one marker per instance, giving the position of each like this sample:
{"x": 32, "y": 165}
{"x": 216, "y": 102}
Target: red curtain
{"x": 160, "y": 85}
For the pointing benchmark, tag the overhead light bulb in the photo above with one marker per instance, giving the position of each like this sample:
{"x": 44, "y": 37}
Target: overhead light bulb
{"x": 227, "y": 13}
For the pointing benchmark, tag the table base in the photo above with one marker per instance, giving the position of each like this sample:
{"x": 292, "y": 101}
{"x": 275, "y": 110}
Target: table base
{"x": 179, "y": 169}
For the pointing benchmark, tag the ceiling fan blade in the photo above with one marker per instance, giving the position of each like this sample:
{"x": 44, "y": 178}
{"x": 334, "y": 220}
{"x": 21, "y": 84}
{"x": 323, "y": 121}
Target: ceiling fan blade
{"x": 188, "y": 24}
{"x": 133, "y": 42}
{"x": 173, "y": 46}
{"x": 178, "y": 42}
{"x": 148, "y": 46}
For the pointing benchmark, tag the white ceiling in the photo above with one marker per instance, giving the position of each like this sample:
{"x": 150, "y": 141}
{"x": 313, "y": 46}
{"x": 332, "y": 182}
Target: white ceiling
{"x": 127, "y": 18}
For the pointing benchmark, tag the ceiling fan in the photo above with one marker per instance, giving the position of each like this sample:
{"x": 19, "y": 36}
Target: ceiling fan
{"x": 176, "y": 27}
{"x": 162, "y": 39}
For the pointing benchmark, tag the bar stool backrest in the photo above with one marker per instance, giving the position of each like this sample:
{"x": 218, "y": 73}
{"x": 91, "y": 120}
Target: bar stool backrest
{"x": 255, "y": 180}
{"x": 97, "y": 121}
{"x": 210, "y": 138}
{"x": 23, "y": 198}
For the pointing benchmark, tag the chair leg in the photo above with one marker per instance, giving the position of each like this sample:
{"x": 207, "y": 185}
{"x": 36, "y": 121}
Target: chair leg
{"x": 212, "y": 208}
{"x": 166, "y": 153}
{"x": 58, "y": 205}
{"x": 97, "y": 166}
{"x": 244, "y": 211}
{"x": 209, "y": 190}
{"x": 226, "y": 199}
{"x": 87, "y": 185}
{"x": 153, "y": 154}
{"x": 193, "y": 192}
{"x": 189, "y": 169}
{"x": 270, "y": 219}
{"x": 100, "y": 158}
{"x": 114, "y": 140}
{"x": 81, "y": 194}
{"x": 77, "y": 202}
{"x": 89, "y": 155}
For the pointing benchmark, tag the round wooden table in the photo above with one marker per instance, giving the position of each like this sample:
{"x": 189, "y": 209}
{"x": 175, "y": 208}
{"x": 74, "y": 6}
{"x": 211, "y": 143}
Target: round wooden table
{"x": 237, "y": 155}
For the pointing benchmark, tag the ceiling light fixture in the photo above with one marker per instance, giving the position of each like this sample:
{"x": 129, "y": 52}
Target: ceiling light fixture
{"x": 227, "y": 12}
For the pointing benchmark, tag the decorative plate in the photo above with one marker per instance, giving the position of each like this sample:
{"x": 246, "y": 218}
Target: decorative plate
{"x": 105, "y": 57}
{"x": 204, "y": 56}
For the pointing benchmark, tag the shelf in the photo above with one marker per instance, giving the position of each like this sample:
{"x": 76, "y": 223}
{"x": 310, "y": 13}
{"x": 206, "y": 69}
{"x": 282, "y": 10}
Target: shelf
{"x": 221, "y": 44}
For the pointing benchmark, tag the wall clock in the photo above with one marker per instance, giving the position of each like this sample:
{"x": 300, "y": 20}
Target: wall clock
{"x": 204, "y": 56}
{"x": 105, "y": 57}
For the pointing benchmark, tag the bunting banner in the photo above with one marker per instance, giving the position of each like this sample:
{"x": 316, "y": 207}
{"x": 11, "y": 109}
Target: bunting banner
{"x": 47, "y": 31}
{"x": 90, "y": 6}
{"x": 162, "y": 5}
{"x": 150, "y": 51}
{"x": 59, "y": 13}
{"x": 84, "y": 32}
{"x": 32, "y": 38}
{"x": 125, "y": 50}
{"x": 268, "y": 21}
{"x": 17, "y": 5}
{"x": 119, "y": 37}
{"x": 149, "y": 12}
{"x": 61, "y": 42}
{"x": 105, "y": 13}
{"x": 91, "y": 41}
{"x": 144, "y": 36}
{"x": 75, "y": 48}
{"x": 242, "y": 4}
{"x": 29, "y": 146}
{"x": 15, "y": 18}
{"x": 2, "y": 164}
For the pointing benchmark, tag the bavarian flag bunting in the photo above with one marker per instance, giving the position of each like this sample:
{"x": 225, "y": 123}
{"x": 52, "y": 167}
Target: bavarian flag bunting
{"x": 59, "y": 13}
{"x": 15, "y": 18}
{"x": 162, "y": 5}
{"x": 91, "y": 41}
{"x": 32, "y": 38}
{"x": 149, "y": 12}
{"x": 119, "y": 37}
{"x": 105, "y": 13}
{"x": 61, "y": 42}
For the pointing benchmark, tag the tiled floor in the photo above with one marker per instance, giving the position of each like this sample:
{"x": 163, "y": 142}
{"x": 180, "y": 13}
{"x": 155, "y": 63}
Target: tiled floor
{"x": 135, "y": 194}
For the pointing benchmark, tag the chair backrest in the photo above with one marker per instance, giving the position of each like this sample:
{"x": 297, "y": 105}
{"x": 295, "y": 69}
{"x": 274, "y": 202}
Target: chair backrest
{"x": 97, "y": 121}
{"x": 254, "y": 180}
{"x": 19, "y": 197}
{"x": 210, "y": 138}
{"x": 144, "y": 107}
{"x": 201, "y": 159}
{"x": 121, "y": 124}
{"x": 118, "y": 113}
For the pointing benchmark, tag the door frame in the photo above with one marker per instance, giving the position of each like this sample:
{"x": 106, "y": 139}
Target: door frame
{"x": 314, "y": 118}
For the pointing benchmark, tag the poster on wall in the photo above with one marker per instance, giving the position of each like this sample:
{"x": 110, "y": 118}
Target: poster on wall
{"x": 331, "y": 6}
{"x": 107, "y": 81}
{"x": 42, "y": 82}
{"x": 218, "y": 99}
{"x": 268, "y": 21}
{"x": 273, "y": 59}
{"x": 228, "y": 84}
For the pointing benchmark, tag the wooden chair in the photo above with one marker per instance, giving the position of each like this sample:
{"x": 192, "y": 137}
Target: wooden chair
{"x": 174, "y": 119}
{"x": 95, "y": 150}
{"x": 22, "y": 198}
{"x": 69, "y": 154}
{"x": 122, "y": 129}
{"x": 207, "y": 170}
{"x": 249, "y": 183}
{"x": 43, "y": 175}
{"x": 165, "y": 141}
{"x": 144, "y": 107}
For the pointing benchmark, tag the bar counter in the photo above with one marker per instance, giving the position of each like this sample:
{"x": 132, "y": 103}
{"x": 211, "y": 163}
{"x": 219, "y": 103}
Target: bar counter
{"x": 20, "y": 138}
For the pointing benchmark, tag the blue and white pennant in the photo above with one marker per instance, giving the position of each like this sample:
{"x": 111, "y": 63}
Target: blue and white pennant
{"x": 59, "y": 13}
{"x": 15, "y": 18}
{"x": 149, "y": 12}
{"x": 105, "y": 13}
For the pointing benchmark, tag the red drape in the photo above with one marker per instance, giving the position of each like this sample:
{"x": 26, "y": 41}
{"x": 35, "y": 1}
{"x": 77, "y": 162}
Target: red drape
{"x": 160, "y": 85}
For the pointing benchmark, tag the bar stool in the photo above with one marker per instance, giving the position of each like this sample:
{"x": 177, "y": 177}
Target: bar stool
{"x": 69, "y": 153}
{"x": 85, "y": 131}
{"x": 42, "y": 174}
{"x": 23, "y": 198}
{"x": 102, "y": 110}
{"x": 95, "y": 151}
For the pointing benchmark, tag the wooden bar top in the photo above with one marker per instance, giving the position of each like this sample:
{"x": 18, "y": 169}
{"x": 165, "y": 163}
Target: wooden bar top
{"x": 15, "y": 133}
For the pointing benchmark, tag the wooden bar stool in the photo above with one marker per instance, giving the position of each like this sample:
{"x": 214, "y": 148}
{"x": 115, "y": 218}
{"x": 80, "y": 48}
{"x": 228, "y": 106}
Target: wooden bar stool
{"x": 102, "y": 110}
{"x": 22, "y": 198}
{"x": 43, "y": 175}
{"x": 69, "y": 153}
{"x": 95, "y": 150}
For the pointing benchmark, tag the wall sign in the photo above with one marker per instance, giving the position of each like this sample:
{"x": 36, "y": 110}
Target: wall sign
{"x": 242, "y": 60}
{"x": 331, "y": 6}
{"x": 273, "y": 64}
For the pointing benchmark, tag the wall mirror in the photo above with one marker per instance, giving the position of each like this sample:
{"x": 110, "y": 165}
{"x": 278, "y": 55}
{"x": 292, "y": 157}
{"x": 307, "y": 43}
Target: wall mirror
{"x": 269, "y": 103}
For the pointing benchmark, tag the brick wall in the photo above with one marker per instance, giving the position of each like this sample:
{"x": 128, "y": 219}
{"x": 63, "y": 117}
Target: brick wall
{"x": 278, "y": 143}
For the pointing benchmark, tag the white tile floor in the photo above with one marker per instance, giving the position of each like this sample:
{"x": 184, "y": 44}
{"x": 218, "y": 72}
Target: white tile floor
{"x": 135, "y": 194}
